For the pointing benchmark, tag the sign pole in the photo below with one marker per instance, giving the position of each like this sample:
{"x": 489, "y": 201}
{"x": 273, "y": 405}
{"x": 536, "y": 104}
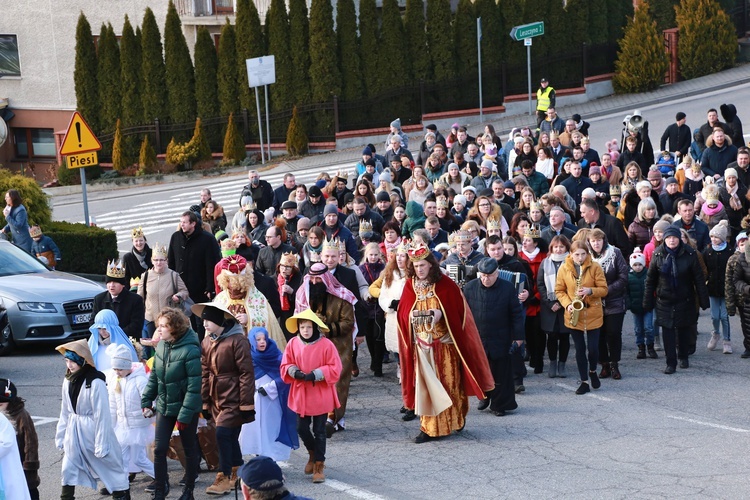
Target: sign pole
{"x": 268, "y": 126}
{"x": 528, "y": 69}
{"x": 260, "y": 126}
{"x": 479, "y": 60}
{"x": 85, "y": 196}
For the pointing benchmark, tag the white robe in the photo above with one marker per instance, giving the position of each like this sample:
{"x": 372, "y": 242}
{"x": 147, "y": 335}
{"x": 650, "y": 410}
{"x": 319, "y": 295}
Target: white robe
{"x": 387, "y": 295}
{"x": 259, "y": 437}
{"x": 88, "y": 439}
{"x": 12, "y": 479}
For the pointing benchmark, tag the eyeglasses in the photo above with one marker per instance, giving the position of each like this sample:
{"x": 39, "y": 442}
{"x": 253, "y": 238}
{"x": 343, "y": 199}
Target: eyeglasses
{"x": 158, "y": 260}
{"x": 484, "y": 205}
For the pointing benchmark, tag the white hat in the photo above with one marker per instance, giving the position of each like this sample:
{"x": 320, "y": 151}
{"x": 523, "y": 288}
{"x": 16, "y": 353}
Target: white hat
{"x": 637, "y": 258}
{"x": 120, "y": 356}
{"x": 588, "y": 193}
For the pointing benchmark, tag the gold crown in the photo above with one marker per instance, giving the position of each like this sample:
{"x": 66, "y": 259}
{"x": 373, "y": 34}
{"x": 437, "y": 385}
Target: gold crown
{"x": 35, "y": 231}
{"x": 332, "y": 244}
{"x": 159, "y": 250}
{"x": 365, "y": 226}
{"x": 615, "y": 190}
{"x": 249, "y": 207}
{"x": 135, "y": 281}
{"x": 289, "y": 259}
{"x": 439, "y": 183}
{"x": 115, "y": 269}
{"x": 462, "y": 236}
{"x": 403, "y": 247}
{"x": 343, "y": 175}
{"x": 442, "y": 202}
{"x": 533, "y": 232}
{"x": 535, "y": 205}
{"x": 418, "y": 252}
{"x": 493, "y": 223}
{"x": 137, "y": 233}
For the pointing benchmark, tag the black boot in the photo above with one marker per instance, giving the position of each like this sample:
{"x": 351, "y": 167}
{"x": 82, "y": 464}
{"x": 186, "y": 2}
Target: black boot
{"x": 187, "y": 493}
{"x": 121, "y": 495}
{"x": 642, "y": 351}
{"x": 68, "y": 493}
{"x": 652, "y": 352}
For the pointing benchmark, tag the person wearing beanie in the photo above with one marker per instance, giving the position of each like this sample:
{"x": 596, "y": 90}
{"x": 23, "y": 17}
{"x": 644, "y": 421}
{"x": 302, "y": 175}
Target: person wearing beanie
{"x": 600, "y": 185}
{"x": 460, "y": 207}
{"x": 367, "y": 155}
{"x": 84, "y": 430}
{"x": 656, "y": 181}
{"x": 671, "y": 195}
{"x": 657, "y": 237}
{"x": 734, "y": 199}
{"x": 128, "y": 306}
{"x": 396, "y": 132}
{"x": 383, "y": 205}
{"x": 18, "y": 430}
{"x": 643, "y": 321}
{"x": 677, "y": 135}
{"x": 716, "y": 257}
{"x": 313, "y": 206}
{"x": 126, "y": 381}
{"x": 676, "y": 277}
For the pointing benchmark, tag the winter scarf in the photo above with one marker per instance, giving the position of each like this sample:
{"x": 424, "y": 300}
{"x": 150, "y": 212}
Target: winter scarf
{"x": 670, "y": 265}
{"x": 550, "y": 266}
{"x": 719, "y": 248}
{"x": 86, "y": 373}
{"x": 734, "y": 200}
{"x": 712, "y": 211}
{"x": 607, "y": 258}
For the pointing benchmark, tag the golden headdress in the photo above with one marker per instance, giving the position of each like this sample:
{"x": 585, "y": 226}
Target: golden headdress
{"x": 289, "y": 259}
{"x": 462, "y": 236}
{"x": 332, "y": 244}
{"x": 493, "y": 223}
{"x": 137, "y": 233}
{"x": 533, "y": 231}
{"x": 418, "y": 252}
{"x": 115, "y": 269}
{"x": 442, "y": 202}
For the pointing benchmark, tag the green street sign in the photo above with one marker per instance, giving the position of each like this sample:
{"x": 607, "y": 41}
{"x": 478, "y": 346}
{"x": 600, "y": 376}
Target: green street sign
{"x": 519, "y": 33}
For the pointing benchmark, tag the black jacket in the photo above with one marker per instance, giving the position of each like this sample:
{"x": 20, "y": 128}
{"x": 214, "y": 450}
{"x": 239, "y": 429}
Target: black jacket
{"x": 679, "y": 138}
{"x": 133, "y": 267}
{"x": 262, "y": 194}
{"x": 267, "y": 286}
{"x": 268, "y": 257}
{"x": 729, "y": 113}
{"x": 194, "y": 258}
{"x": 314, "y": 212}
{"x": 353, "y": 220}
{"x": 612, "y": 227}
{"x": 498, "y": 314}
{"x": 716, "y": 263}
{"x": 280, "y": 195}
{"x": 128, "y": 307}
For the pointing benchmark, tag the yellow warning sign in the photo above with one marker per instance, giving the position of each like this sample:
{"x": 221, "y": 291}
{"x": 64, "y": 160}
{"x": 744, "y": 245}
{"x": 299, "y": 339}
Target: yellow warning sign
{"x": 79, "y": 138}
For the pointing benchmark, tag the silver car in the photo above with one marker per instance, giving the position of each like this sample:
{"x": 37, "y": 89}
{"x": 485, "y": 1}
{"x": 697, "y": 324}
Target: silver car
{"x": 39, "y": 305}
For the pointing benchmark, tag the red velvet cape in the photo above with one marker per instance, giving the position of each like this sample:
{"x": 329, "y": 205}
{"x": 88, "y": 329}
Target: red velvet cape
{"x": 477, "y": 377}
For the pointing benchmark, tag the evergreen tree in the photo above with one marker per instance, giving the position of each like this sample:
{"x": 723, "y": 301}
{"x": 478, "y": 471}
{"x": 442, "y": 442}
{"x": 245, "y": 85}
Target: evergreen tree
{"x": 577, "y": 23}
{"x": 392, "y": 40}
{"x": 494, "y": 33}
{"x": 130, "y": 76}
{"x": 296, "y": 139}
{"x": 227, "y": 72}
{"x": 110, "y": 92}
{"x": 180, "y": 78}
{"x": 154, "y": 94}
{"x": 369, "y": 36}
{"x": 234, "y": 146}
{"x": 663, "y": 12}
{"x": 641, "y": 61}
{"x": 598, "y": 23}
{"x": 147, "y": 161}
{"x": 707, "y": 41}
{"x": 348, "y": 51}
{"x": 277, "y": 24}
{"x": 299, "y": 37}
{"x": 618, "y": 13}
{"x": 416, "y": 37}
{"x": 200, "y": 143}
{"x": 515, "y": 53}
{"x": 465, "y": 39}
{"x": 206, "y": 95}
{"x": 324, "y": 72}
{"x": 250, "y": 44}
{"x": 441, "y": 46}
{"x": 85, "y": 74}
{"x": 119, "y": 161}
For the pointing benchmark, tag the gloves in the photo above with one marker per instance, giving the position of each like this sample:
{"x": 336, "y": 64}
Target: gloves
{"x": 207, "y": 415}
{"x": 299, "y": 375}
{"x": 181, "y": 426}
{"x": 310, "y": 377}
{"x": 247, "y": 416}
{"x": 394, "y": 304}
{"x": 262, "y": 391}
{"x": 147, "y": 412}
{"x": 515, "y": 348}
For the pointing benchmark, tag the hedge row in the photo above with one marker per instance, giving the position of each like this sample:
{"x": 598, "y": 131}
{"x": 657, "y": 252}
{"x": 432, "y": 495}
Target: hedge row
{"x": 84, "y": 249}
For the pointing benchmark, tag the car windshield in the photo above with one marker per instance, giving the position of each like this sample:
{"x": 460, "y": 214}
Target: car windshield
{"x": 13, "y": 261}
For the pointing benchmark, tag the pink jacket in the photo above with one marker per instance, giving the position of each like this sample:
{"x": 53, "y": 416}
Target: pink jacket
{"x": 312, "y": 398}
{"x": 648, "y": 250}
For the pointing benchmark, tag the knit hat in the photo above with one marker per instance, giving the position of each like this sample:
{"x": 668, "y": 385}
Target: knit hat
{"x": 488, "y": 164}
{"x": 120, "y": 356}
{"x": 8, "y": 391}
{"x": 672, "y": 231}
{"x": 321, "y": 183}
{"x": 329, "y": 209}
{"x": 383, "y": 196}
{"x": 314, "y": 191}
{"x": 367, "y": 151}
{"x": 588, "y": 193}
{"x": 509, "y": 185}
{"x": 637, "y": 258}
{"x": 370, "y": 161}
{"x": 679, "y": 116}
{"x": 459, "y": 198}
{"x": 661, "y": 225}
{"x": 469, "y": 188}
{"x": 730, "y": 172}
{"x": 740, "y": 237}
{"x": 396, "y": 123}
{"x": 720, "y": 230}
{"x": 432, "y": 127}
{"x": 261, "y": 474}
{"x": 670, "y": 180}
{"x": 303, "y": 223}
{"x": 594, "y": 170}
{"x": 654, "y": 175}
{"x": 385, "y": 176}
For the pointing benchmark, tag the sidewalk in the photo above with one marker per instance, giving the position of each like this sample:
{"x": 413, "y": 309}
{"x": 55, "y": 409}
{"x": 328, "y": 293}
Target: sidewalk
{"x": 612, "y": 104}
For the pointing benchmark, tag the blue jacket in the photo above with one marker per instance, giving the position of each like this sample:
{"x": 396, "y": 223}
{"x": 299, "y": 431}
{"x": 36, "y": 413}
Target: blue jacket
{"x": 698, "y": 231}
{"x": 45, "y": 244}
{"x": 18, "y": 226}
{"x": 715, "y": 160}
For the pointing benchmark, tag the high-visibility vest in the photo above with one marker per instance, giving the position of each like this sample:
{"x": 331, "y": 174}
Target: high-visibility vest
{"x": 542, "y": 98}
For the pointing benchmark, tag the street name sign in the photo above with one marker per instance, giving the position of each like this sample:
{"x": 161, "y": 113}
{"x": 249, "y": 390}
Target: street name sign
{"x": 519, "y": 33}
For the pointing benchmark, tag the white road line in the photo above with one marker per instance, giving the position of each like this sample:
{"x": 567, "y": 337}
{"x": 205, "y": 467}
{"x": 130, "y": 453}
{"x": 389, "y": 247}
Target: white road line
{"x": 344, "y": 487}
{"x": 43, "y": 420}
{"x": 595, "y": 396}
{"x": 709, "y": 424}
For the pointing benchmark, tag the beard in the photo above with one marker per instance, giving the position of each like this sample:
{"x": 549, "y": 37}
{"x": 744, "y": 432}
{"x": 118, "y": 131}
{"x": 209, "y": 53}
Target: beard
{"x": 318, "y": 293}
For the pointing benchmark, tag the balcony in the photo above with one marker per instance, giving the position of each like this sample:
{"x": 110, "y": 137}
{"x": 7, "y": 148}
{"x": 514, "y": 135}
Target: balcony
{"x": 205, "y": 12}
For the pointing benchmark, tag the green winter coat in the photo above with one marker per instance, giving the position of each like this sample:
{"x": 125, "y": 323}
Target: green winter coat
{"x": 175, "y": 381}
{"x": 415, "y": 219}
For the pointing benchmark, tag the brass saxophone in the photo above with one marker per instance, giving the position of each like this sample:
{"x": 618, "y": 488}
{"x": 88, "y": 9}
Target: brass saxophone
{"x": 577, "y": 303}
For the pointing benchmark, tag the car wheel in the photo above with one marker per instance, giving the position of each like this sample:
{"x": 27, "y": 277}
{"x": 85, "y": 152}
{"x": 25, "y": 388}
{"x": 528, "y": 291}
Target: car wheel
{"x": 6, "y": 337}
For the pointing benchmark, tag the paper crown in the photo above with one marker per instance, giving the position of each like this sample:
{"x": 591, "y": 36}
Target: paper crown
{"x": 343, "y": 175}
{"x": 137, "y": 233}
{"x": 159, "y": 251}
{"x": 289, "y": 259}
{"x": 535, "y": 205}
{"x": 615, "y": 190}
{"x": 35, "y": 231}
{"x": 332, "y": 244}
{"x": 403, "y": 248}
{"x": 249, "y": 207}
{"x": 493, "y": 223}
{"x": 134, "y": 282}
{"x": 451, "y": 240}
{"x": 418, "y": 252}
{"x": 442, "y": 202}
{"x": 233, "y": 264}
{"x": 115, "y": 269}
{"x": 365, "y": 226}
{"x": 533, "y": 232}
{"x": 462, "y": 236}
{"x": 439, "y": 183}
{"x": 711, "y": 196}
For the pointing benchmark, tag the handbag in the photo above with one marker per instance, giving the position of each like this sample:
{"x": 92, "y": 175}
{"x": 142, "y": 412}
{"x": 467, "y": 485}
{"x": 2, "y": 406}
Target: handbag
{"x": 184, "y": 304}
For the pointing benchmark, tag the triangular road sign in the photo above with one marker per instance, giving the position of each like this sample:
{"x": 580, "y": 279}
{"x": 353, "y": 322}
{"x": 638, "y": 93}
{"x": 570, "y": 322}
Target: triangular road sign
{"x": 79, "y": 138}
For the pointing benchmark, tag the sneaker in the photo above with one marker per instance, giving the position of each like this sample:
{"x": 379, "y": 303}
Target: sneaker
{"x": 727, "y": 347}
{"x": 583, "y": 388}
{"x": 713, "y": 341}
{"x": 595, "y": 383}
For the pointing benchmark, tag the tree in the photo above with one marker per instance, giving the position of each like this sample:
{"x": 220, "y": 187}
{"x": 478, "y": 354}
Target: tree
{"x": 234, "y": 146}
{"x": 180, "y": 78}
{"x": 147, "y": 162}
{"x": 369, "y": 36}
{"x": 277, "y": 23}
{"x": 577, "y": 21}
{"x": 296, "y": 139}
{"x": 494, "y": 33}
{"x": 392, "y": 42}
{"x": 324, "y": 72}
{"x": 707, "y": 41}
{"x": 250, "y": 44}
{"x": 299, "y": 37}
{"x": 130, "y": 76}
{"x": 119, "y": 160}
{"x": 416, "y": 40}
{"x": 85, "y": 74}
{"x": 348, "y": 51}
{"x": 154, "y": 95}
{"x": 108, "y": 71}
{"x": 465, "y": 38}
{"x": 641, "y": 61}
{"x": 663, "y": 12}
{"x": 441, "y": 46}
{"x": 618, "y": 13}
{"x": 515, "y": 53}
{"x": 227, "y": 71}
{"x": 206, "y": 95}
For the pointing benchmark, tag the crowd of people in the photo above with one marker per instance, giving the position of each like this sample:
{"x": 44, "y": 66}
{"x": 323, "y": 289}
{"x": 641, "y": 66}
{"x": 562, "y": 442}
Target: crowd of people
{"x": 249, "y": 326}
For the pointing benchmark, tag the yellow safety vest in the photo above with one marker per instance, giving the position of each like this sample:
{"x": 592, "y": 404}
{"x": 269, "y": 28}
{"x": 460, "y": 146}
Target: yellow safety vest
{"x": 542, "y": 98}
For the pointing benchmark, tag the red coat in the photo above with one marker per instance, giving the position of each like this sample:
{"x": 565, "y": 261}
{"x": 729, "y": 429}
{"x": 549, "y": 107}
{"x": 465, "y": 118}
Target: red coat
{"x": 312, "y": 398}
{"x": 533, "y": 307}
{"x": 477, "y": 377}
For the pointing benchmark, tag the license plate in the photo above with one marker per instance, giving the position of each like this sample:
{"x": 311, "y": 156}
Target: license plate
{"x": 81, "y": 318}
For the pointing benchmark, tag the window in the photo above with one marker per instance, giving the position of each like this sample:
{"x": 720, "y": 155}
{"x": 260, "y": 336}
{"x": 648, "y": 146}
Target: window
{"x": 10, "y": 63}
{"x": 34, "y": 142}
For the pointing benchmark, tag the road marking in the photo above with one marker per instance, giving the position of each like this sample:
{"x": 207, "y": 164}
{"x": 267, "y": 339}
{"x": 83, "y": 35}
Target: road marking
{"x": 709, "y": 424}
{"x": 343, "y": 487}
{"x": 595, "y": 396}
{"x": 43, "y": 420}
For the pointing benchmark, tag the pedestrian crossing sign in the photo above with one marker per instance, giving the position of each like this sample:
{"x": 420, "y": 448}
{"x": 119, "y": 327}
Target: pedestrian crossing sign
{"x": 79, "y": 138}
